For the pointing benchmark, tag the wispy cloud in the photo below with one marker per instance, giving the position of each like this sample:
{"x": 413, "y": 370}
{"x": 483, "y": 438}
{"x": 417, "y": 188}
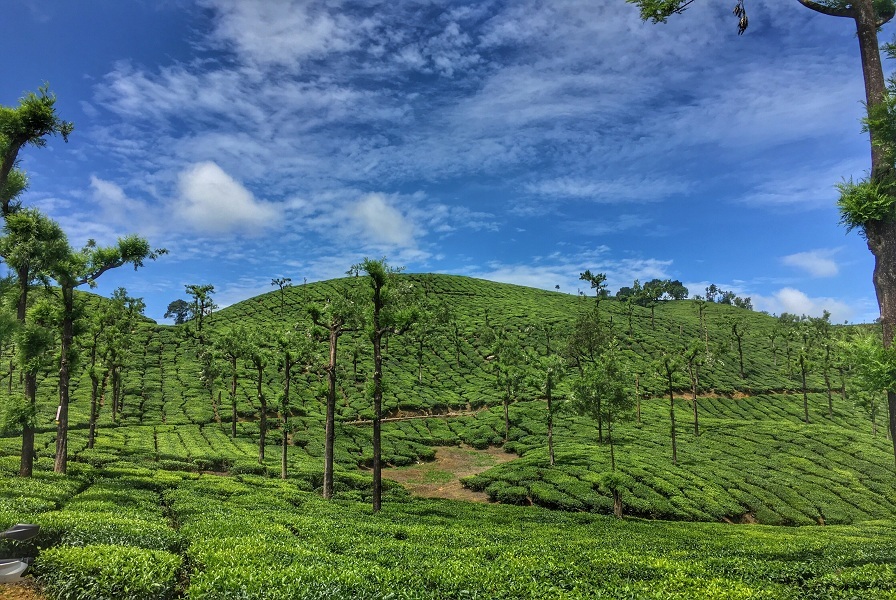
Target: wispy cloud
{"x": 818, "y": 263}
{"x": 794, "y": 301}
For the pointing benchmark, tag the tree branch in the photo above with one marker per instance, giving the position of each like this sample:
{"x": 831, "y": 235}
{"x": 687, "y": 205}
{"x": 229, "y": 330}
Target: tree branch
{"x": 828, "y": 10}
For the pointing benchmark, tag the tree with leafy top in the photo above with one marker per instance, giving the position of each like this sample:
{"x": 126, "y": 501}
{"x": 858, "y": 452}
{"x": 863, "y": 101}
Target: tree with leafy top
{"x": 867, "y": 205}
{"x": 340, "y": 314}
{"x": 392, "y": 311}
{"x": 78, "y": 268}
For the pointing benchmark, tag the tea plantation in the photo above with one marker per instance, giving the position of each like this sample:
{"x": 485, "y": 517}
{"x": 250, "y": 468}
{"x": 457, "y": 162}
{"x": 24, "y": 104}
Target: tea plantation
{"x": 169, "y": 504}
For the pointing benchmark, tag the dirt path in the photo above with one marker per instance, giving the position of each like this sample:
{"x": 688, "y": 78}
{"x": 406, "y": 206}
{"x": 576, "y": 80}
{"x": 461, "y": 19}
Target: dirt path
{"x": 441, "y": 477}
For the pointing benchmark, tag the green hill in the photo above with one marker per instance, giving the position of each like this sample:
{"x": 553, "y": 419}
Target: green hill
{"x": 754, "y": 460}
{"x": 169, "y": 505}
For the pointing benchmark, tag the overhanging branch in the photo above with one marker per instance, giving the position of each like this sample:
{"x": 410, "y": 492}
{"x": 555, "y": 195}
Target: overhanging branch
{"x": 828, "y": 10}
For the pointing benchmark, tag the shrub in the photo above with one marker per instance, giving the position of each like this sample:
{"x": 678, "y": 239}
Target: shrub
{"x": 108, "y": 572}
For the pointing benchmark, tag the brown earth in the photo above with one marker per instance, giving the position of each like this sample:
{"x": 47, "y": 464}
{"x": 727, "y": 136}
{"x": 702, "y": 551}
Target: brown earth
{"x": 20, "y": 591}
{"x": 440, "y": 478}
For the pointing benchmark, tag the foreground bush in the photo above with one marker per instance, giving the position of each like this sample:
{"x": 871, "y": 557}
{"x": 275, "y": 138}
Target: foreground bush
{"x": 107, "y": 572}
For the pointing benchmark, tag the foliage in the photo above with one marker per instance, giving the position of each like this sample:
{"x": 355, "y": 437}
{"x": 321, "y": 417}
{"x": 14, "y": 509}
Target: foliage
{"x": 108, "y": 572}
{"x": 865, "y": 201}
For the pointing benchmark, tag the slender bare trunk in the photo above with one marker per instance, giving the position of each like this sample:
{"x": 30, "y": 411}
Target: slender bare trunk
{"x": 330, "y": 433}
{"x": 549, "y": 393}
{"x": 263, "y": 414}
{"x": 377, "y": 401}
{"x": 61, "y": 463}
{"x": 672, "y": 421}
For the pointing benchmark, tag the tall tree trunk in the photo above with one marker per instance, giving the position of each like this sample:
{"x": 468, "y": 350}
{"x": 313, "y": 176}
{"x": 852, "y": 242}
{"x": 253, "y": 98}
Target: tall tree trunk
{"x": 549, "y": 393}
{"x": 805, "y": 393}
{"x": 610, "y": 437}
{"x": 263, "y": 415}
{"x": 287, "y": 369}
{"x": 94, "y": 393}
{"x": 330, "y": 433}
{"x": 26, "y": 464}
{"x": 672, "y": 421}
{"x": 881, "y": 235}
{"x": 507, "y": 413}
{"x": 233, "y": 397}
{"x": 61, "y": 463}
{"x": 377, "y": 401}
{"x": 693, "y": 369}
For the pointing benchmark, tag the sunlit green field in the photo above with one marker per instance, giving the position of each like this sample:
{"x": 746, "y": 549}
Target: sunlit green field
{"x": 169, "y": 504}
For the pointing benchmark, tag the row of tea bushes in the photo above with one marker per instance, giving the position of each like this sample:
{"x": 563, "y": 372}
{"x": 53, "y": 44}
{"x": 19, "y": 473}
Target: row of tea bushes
{"x": 257, "y": 538}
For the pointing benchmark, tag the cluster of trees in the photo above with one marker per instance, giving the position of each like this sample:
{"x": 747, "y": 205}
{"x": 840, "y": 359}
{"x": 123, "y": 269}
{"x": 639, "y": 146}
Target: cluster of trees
{"x": 380, "y": 305}
{"x": 867, "y": 205}
{"x": 37, "y": 251}
{"x": 715, "y": 294}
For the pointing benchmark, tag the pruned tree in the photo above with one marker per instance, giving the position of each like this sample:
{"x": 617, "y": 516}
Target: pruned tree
{"x": 340, "y": 314}
{"x": 295, "y": 346}
{"x": 739, "y": 328}
{"x": 283, "y": 283}
{"x": 179, "y": 310}
{"x": 547, "y": 371}
{"x": 258, "y": 352}
{"x": 509, "y": 364}
{"x": 868, "y": 205}
{"x": 667, "y": 366}
{"x": 79, "y": 268}
{"x": 694, "y": 357}
{"x": 231, "y": 345}
{"x": 31, "y": 244}
{"x": 118, "y": 342}
{"x": 28, "y": 124}
{"x": 598, "y": 283}
{"x": 601, "y": 392}
{"x": 824, "y": 336}
{"x": 201, "y": 306}
{"x": 588, "y": 340}
{"x": 875, "y": 366}
{"x": 392, "y": 311}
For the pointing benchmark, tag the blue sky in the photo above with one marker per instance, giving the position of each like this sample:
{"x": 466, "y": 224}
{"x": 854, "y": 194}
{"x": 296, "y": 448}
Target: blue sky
{"x": 519, "y": 141}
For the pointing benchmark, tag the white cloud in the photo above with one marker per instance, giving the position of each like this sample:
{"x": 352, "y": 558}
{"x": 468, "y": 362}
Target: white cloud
{"x": 282, "y": 32}
{"x": 116, "y": 205}
{"x": 381, "y": 223}
{"x": 212, "y": 201}
{"x": 794, "y": 301}
{"x": 818, "y": 263}
{"x": 631, "y": 189}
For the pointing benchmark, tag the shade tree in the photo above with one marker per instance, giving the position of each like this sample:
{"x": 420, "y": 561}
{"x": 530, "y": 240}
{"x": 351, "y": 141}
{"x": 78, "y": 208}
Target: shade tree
{"x": 589, "y": 338}
{"x": 666, "y": 367}
{"x": 31, "y": 244}
{"x": 601, "y": 392}
{"x": 869, "y": 204}
{"x": 598, "y": 283}
{"x": 28, "y": 124}
{"x": 76, "y": 269}
{"x": 232, "y": 346}
{"x": 391, "y": 310}
{"x": 295, "y": 347}
{"x": 282, "y": 283}
{"x": 179, "y": 310}
{"x": 341, "y": 313}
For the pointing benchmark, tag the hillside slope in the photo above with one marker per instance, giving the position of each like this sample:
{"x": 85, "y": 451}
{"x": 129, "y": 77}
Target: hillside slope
{"x": 754, "y": 460}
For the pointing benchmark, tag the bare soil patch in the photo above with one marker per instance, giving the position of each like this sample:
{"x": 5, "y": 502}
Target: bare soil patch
{"x": 27, "y": 590}
{"x": 441, "y": 478}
